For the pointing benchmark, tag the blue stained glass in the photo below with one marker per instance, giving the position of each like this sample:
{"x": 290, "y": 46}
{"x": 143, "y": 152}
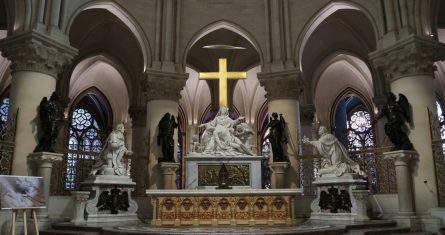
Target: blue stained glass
{"x": 83, "y": 136}
{"x": 4, "y": 110}
{"x": 360, "y": 135}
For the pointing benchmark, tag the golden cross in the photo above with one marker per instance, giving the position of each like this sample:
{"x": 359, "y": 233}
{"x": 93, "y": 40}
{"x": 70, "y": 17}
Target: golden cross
{"x": 222, "y": 75}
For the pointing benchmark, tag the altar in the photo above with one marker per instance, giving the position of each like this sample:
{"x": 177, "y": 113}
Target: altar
{"x": 223, "y": 207}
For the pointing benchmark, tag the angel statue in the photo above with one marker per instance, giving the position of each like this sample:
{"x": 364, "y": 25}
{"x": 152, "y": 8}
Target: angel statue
{"x": 397, "y": 113}
{"x": 51, "y": 120}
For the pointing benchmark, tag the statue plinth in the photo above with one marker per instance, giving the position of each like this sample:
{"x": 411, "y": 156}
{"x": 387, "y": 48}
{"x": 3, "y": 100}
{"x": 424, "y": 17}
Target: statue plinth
{"x": 79, "y": 198}
{"x": 110, "y": 199}
{"x": 340, "y": 198}
{"x": 168, "y": 170}
{"x": 402, "y": 159}
{"x": 278, "y": 178}
{"x": 45, "y": 162}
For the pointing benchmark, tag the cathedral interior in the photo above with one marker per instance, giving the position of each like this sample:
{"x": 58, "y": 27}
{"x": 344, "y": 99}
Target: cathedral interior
{"x": 329, "y": 63}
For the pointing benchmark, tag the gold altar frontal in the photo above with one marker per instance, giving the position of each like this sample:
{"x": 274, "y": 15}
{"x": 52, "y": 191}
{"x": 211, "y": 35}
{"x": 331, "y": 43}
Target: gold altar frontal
{"x": 223, "y": 207}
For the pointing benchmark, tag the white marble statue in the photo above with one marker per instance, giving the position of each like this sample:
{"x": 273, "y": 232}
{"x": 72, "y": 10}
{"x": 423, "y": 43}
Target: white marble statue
{"x": 225, "y": 136}
{"x": 109, "y": 161}
{"x": 335, "y": 156}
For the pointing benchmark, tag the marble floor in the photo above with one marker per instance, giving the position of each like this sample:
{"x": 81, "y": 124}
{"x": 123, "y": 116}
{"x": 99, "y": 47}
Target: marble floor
{"x": 309, "y": 227}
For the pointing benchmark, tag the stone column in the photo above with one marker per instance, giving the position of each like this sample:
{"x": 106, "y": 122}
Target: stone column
{"x": 36, "y": 61}
{"x": 279, "y": 170}
{"x": 139, "y": 159}
{"x": 283, "y": 90}
{"x": 361, "y": 201}
{"x": 162, "y": 92}
{"x": 408, "y": 66}
{"x": 79, "y": 198}
{"x": 168, "y": 170}
{"x": 191, "y": 130}
{"x": 44, "y": 162}
{"x": 402, "y": 161}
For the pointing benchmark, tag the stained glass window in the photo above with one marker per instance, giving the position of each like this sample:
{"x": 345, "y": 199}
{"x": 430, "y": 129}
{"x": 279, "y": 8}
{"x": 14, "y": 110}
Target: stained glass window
{"x": 360, "y": 134}
{"x": 441, "y": 117}
{"x": 4, "y": 110}
{"x": 265, "y": 151}
{"x": 83, "y": 136}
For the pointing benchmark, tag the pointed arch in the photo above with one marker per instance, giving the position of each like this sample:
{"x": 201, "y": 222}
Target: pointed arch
{"x": 126, "y": 19}
{"x": 222, "y": 25}
{"x": 354, "y": 63}
{"x": 349, "y": 91}
{"x": 104, "y": 74}
{"x": 322, "y": 15}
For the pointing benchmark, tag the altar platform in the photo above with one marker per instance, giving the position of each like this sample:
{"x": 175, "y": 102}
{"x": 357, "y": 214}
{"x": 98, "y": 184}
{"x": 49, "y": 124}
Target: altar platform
{"x": 223, "y": 207}
{"x": 304, "y": 228}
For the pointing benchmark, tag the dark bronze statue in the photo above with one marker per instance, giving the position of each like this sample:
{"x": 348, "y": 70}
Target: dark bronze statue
{"x": 167, "y": 127}
{"x": 51, "y": 120}
{"x": 397, "y": 113}
{"x": 277, "y": 137}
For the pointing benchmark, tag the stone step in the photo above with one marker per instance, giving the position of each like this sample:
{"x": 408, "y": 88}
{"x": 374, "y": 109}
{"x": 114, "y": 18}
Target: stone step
{"x": 69, "y": 229}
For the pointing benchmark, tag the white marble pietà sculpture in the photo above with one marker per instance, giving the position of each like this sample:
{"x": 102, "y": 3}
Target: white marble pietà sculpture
{"x": 335, "y": 156}
{"x": 225, "y": 136}
{"x": 109, "y": 161}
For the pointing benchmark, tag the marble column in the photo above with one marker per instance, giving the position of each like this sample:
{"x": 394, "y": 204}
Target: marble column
{"x": 162, "y": 92}
{"x": 402, "y": 161}
{"x": 79, "y": 198}
{"x": 44, "y": 162}
{"x": 279, "y": 172}
{"x": 36, "y": 61}
{"x": 139, "y": 159}
{"x": 168, "y": 170}
{"x": 283, "y": 90}
{"x": 408, "y": 66}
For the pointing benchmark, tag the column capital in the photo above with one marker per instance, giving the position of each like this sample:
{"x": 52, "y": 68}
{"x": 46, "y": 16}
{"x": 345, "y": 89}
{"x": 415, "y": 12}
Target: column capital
{"x": 400, "y": 157}
{"x": 281, "y": 85}
{"x": 32, "y": 51}
{"x": 307, "y": 113}
{"x": 45, "y": 157}
{"x": 162, "y": 85}
{"x": 138, "y": 115}
{"x": 413, "y": 56}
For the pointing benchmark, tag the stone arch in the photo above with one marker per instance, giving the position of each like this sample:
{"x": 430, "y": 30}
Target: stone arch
{"x": 319, "y": 17}
{"x": 347, "y": 71}
{"x": 113, "y": 85}
{"x": 354, "y": 92}
{"x": 222, "y": 25}
{"x": 351, "y": 60}
{"x": 125, "y": 18}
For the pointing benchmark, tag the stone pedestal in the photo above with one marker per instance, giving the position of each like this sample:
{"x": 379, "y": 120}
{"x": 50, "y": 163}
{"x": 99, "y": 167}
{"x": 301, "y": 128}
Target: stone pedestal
{"x": 202, "y": 171}
{"x": 340, "y": 198}
{"x": 278, "y": 178}
{"x": 168, "y": 171}
{"x": 406, "y": 215}
{"x": 44, "y": 162}
{"x": 110, "y": 199}
{"x": 79, "y": 198}
{"x": 361, "y": 200}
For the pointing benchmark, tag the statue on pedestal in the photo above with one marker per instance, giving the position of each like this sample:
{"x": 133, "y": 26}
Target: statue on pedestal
{"x": 109, "y": 161}
{"x": 335, "y": 156}
{"x": 277, "y": 137}
{"x": 397, "y": 113}
{"x": 167, "y": 126}
{"x": 51, "y": 120}
{"x": 220, "y": 136}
